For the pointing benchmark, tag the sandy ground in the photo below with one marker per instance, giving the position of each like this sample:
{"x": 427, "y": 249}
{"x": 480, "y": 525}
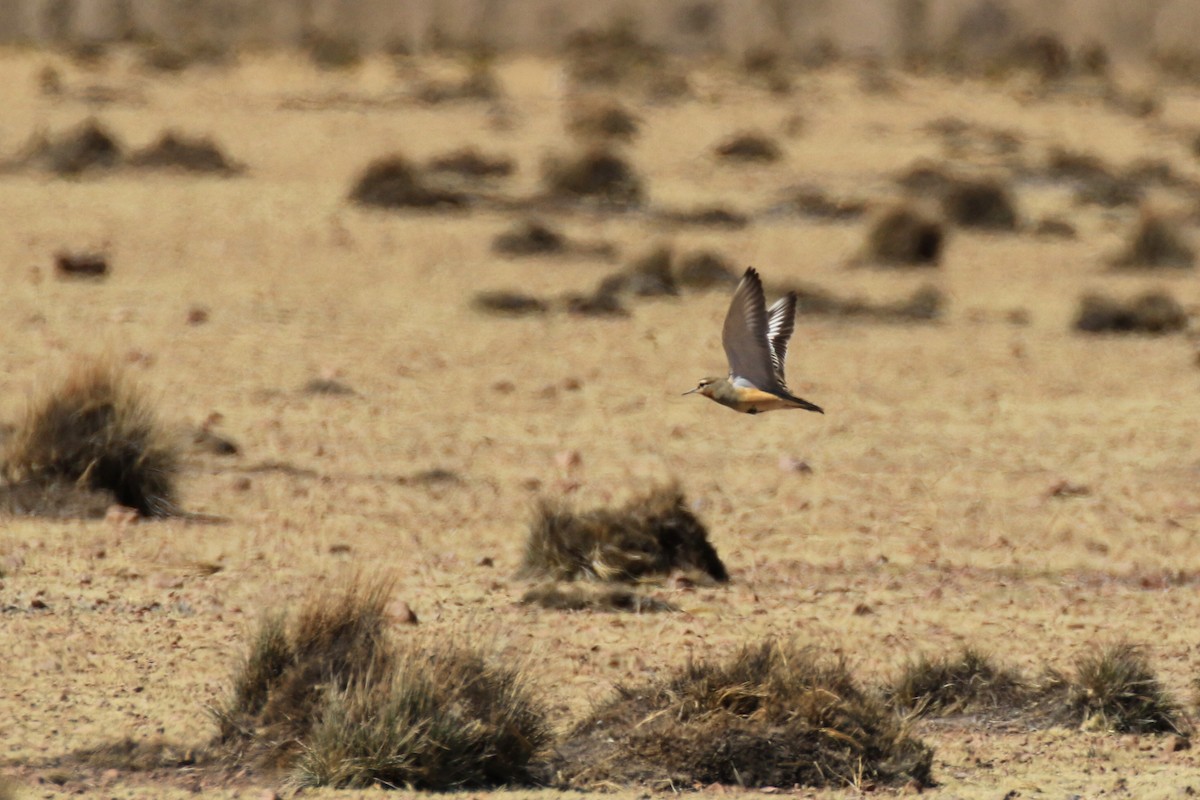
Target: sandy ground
{"x": 928, "y": 506}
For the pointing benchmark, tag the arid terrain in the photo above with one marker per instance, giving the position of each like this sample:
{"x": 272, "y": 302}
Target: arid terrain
{"x": 992, "y": 478}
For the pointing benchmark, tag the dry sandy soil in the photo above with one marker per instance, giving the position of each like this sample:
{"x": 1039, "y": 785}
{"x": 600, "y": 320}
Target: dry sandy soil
{"x": 930, "y": 505}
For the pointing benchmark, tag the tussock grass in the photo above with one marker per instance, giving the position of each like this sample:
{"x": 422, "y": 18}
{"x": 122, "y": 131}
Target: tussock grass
{"x": 905, "y": 237}
{"x": 651, "y": 535}
{"x": 596, "y": 174}
{"x": 97, "y": 432}
{"x": 1115, "y": 689}
{"x": 332, "y": 696}
{"x": 1154, "y": 312}
{"x": 179, "y": 151}
{"x": 392, "y": 182}
{"x": 469, "y": 162}
{"x": 509, "y": 304}
{"x": 83, "y": 148}
{"x": 969, "y": 681}
{"x": 771, "y": 715}
{"x": 749, "y": 147}
{"x": 1156, "y": 241}
{"x": 982, "y": 203}
{"x": 606, "y": 119}
{"x": 443, "y": 718}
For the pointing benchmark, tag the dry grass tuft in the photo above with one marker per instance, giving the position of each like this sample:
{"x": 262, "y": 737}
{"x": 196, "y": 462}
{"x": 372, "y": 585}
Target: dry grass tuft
{"x": 704, "y": 270}
{"x": 328, "y": 386}
{"x": 714, "y": 216}
{"x": 470, "y": 163}
{"x": 816, "y": 203}
{"x": 1152, "y": 312}
{"x": 331, "y": 52}
{"x": 582, "y": 597}
{"x": 598, "y": 175}
{"x": 1156, "y": 242}
{"x": 131, "y": 755}
{"x": 393, "y": 182}
{"x": 905, "y": 237}
{"x": 333, "y": 697}
{"x": 967, "y": 682}
{"x": 336, "y": 640}
{"x": 769, "y": 716}
{"x": 95, "y": 432}
{"x": 178, "y": 151}
{"x": 749, "y": 146}
{"x": 980, "y": 203}
{"x": 509, "y": 304}
{"x": 529, "y": 238}
{"x": 602, "y": 120}
{"x": 650, "y": 275}
{"x": 617, "y": 56}
{"x": 1115, "y": 689}
{"x": 88, "y": 146}
{"x": 650, "y": 536}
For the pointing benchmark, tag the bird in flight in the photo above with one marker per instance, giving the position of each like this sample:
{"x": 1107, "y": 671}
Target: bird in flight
{"x": 756, "y": 340}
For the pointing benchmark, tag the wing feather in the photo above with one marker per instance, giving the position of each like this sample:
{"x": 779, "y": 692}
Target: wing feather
{"x": 781, "y": 322}
{"x": 745, "y": 336}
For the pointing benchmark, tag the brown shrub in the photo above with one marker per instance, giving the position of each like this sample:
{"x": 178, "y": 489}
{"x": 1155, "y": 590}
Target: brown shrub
{"x": 651, "y": 535}
{"x": 749, "y": 146}
{"x": 650, "y": 275}
{"x": 1152, "y": 312}
{"x": 603, "y": 302}
{"x": 703, "y": 270}
{"x": 1156, "y": 242}
{"x": 511, "y": 304}
{"x": 903, "y": 236}
{"x": 178, "y": 151}
{"x": 329, "y": 51}
{"x": 598, "y": 175}
{"x": 1115, "y": 689}
{"x": 392, "y": 182}
{"x": 769, "y": 716}
{"x": 88, "y": 146}
{"x": 814, "y": 202}
{"x": 95, "y": 431}
{"x": 603, "y": 120}
{"x": 469, "y": 162}
{"x": 529, "y": 238}
{"x": 618, "y": 56}
{"x": 968, "y": 682}
{"x": 979, "y": 203}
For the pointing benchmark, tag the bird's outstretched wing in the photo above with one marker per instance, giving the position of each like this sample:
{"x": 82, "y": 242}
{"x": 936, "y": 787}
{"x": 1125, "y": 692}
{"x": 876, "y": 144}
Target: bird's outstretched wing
{"x": 781, "y": 322}
{"x": 745, "y": 336}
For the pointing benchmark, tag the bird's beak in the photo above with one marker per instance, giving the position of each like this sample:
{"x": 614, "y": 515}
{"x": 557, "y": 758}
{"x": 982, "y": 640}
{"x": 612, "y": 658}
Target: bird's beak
{"x": 690, "y": 391}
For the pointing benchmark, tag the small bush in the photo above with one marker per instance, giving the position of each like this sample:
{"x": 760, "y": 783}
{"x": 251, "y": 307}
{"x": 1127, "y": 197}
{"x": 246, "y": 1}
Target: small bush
{"x": 1156, "y": 242}
{"x": 613, "y": 56}
{"x": 1115, "y": 689}
{"x": 333, "y": 697}
{"x": 603, "y": 120}
{"x": 442, "y": 719}
{"x": 814, "y": 202}
{"x": 603, "y": 302}
{"x": 703, "y": 270}
{"x": 529, "y": 238}
{"x": 96, "y": 431}
{"x": 904, "y": 236}
{"x": 86, "y": 147}
{"x": 509, "y": 304}
{"x": 749, "y": 147}
{"x": 177, "y": 151}
{"x": 393, "y": 182}
{"x": 1152, "y": 312}
{"x": 329, "y": 51}
{"x": 598, "y": 175}
{"x": 650, "y": 275}
{"x": 468, "y": 162}
{"x": 651, "y": 535}
{"x": 768, "y": 716}
{"x": 967, "y": 682}
{"x": 985, "y": 204}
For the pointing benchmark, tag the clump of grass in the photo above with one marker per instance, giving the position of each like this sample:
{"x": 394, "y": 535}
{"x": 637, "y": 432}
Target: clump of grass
{"x": 1154, "y": 312}
{"x": 596, "y": 174}
{"x": 1156, "y": 242}
{"x": 602, "y": 120}
{"x": 651, "y": 535}
{"x": 469, "y": 162}
{"x": 97, "y": 432}
{"x": 190, "y": 154}
{"x": 331, "y": 52}
{"x": 509, "y": 304}
{"x": 530, "y": 237}
{"x": 1114, "y": 688}
{"x": 980, "y": 203}
{"x": 749, "y": 146}
{"x": 904, "y": 236}
{"x": 336, "y": 640}
{"x": 769, "y": 716}
{"x": 969, "y": 681}
{"x": 442, "y": 719}
{"x": 577, "y": 597}
{"x": 704, "y": 269}
{"x": 330, "y": 695}
{"x": 393, "y": 182}
{"x": 86, "y": 147}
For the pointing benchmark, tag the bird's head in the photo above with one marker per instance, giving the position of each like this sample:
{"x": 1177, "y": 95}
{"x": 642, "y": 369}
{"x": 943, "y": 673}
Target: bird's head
{"x": 706, "y": 387}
